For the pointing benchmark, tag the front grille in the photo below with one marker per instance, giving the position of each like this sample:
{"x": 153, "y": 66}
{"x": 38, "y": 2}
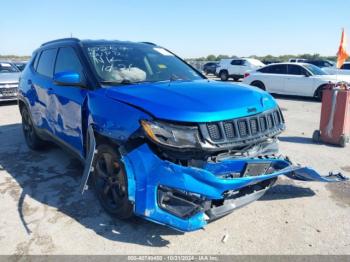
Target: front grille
{"x": 214, "y": 131}
{"x": 230, "y": 130}
{"x": 254, "y": 126}
{"x": 239, "y": 130}
{"x": 8, "y": 85}
{"x": 243, "y": 128}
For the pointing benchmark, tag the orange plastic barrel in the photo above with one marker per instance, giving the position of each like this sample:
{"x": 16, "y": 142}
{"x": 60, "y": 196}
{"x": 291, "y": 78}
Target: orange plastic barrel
{"x": 335, "y": 120}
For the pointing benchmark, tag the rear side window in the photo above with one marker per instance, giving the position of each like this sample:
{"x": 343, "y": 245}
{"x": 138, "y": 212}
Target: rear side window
{"x": 274, "y": 69}
{"x": 67, "y": 60}
{"x": 46, "y": 62}
{"x": 237, "y": 62}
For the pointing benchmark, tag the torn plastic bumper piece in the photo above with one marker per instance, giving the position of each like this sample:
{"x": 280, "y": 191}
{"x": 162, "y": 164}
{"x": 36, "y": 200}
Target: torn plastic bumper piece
{"x": 186, "y": 198}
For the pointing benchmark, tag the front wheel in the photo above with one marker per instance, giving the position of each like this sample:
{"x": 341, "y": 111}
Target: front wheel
{"x": 319, "y": 93}
{"x": 110, "y": 182}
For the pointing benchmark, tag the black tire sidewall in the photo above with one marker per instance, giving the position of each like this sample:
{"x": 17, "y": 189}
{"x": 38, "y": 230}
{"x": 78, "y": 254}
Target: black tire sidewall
{"x": 259, "y": 85}
{"x": 34, "y": 142}
{"x": 223, "y": 76}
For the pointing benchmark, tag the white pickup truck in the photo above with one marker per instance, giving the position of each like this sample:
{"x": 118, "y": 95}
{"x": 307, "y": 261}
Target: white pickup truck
{"x": 236, "y": 67}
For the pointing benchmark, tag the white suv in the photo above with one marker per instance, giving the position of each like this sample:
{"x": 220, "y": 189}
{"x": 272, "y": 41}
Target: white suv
{"x": 236, "y": 68}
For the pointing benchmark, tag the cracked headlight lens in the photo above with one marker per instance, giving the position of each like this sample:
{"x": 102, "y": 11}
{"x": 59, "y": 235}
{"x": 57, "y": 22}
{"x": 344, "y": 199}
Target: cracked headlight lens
{"x": 172, "y": 135}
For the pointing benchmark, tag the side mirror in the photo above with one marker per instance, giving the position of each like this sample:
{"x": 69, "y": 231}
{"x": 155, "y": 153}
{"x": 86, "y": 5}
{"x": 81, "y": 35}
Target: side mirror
{"x": 67, "y": 79}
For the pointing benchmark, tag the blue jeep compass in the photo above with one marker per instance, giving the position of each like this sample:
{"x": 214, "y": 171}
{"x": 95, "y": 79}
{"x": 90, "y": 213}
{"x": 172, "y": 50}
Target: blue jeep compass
{"x": 158, "y": 139}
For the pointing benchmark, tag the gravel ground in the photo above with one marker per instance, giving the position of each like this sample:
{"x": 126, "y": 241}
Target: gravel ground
{"x": 43, "y": 213}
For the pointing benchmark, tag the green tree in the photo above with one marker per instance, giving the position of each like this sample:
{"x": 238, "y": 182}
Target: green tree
{"x": 211, "y": 58}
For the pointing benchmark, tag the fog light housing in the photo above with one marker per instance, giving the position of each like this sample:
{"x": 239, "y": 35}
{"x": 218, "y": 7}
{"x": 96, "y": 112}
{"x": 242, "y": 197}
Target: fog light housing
{"x": 179, "y": 203}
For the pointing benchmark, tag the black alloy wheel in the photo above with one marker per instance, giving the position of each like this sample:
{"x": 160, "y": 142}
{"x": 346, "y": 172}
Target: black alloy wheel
{"x": 110, "y": 182}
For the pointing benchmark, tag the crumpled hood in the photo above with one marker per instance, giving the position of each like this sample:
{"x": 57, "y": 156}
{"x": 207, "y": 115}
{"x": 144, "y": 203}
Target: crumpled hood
{"x": 9, "y": 77}
{"x": 195, "y": 101}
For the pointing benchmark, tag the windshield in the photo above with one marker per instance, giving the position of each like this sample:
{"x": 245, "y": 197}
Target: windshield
{"x": 134, "y": 63}
{"x": 315, "y": 70}
{"x": 7, "y": 68}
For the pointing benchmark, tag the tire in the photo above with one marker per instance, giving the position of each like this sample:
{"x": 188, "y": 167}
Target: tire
{"x": 258, "y": 84}
{"x": 32, "y": 139}
{"x": 223, "y": 75}
{"x": 343, "y": 140}
{"x": 235, "y": 79}
{"x": 318, "y": 93}
{"x": 316, "y": 136}
{"x": 110, "y": 182}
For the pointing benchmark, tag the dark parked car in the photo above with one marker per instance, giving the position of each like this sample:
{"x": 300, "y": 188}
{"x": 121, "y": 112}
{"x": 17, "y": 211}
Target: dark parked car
{"x": 210, "y": 68}
{"x": 320, "y": 63}
{"x": 157, "y": 138}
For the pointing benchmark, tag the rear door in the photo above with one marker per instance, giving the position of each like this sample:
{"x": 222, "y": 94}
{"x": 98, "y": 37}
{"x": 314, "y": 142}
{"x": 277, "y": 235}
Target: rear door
{"x": 42, "y": 83}
{"x": 273, "y": 77}
{"x": 68, "y": 101}
{"x": 299, "y": 81}
{"x": 238, "y": 67}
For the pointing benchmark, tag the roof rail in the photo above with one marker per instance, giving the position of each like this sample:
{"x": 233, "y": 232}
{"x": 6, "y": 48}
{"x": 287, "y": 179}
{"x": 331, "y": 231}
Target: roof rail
{"x": 62, "y": 39}
{"x": 148, "y": 43}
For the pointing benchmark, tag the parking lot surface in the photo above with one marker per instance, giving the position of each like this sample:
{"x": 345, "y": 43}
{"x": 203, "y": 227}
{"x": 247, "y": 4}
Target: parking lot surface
{"x": 42, "y": 211}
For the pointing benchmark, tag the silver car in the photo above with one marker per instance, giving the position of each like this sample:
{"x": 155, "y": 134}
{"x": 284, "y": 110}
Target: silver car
{"x": 9, "y": 77}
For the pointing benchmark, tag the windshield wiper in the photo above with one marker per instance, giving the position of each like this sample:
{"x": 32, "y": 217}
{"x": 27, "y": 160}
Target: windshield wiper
{"x": 125, "y": 82}
{"x": 111, "y": 83}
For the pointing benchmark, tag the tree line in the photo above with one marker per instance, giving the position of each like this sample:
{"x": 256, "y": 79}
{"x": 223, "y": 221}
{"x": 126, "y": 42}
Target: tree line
{"x": 270, "y": 58}
{"x": 14, "y": 57}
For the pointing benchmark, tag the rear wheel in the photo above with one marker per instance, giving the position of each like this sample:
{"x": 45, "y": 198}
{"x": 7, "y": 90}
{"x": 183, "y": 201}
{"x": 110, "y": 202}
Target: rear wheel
{"x": 110, "y": 182}
{"x": 258, "y": 84}
{"x": 223, "y": 75}
{"x": 33, "y": 141}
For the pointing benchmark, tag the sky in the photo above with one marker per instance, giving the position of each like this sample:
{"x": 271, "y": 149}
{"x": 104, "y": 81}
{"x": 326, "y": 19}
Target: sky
{"x": 190, "y": 28}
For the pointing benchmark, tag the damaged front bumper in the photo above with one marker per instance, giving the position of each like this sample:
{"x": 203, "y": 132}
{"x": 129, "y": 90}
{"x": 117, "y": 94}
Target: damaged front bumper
{"x": 187, "y": 198}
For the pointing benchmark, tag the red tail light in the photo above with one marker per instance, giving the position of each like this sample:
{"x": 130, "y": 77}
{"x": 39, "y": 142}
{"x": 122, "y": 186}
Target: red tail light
{"x": 246, "y": 75}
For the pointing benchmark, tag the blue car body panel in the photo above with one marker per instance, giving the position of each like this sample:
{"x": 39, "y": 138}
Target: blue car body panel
{"x": 115, "y": 112}
{"x": 146, "y": 172}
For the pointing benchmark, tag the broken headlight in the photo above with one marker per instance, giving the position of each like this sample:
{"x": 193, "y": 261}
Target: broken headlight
{"x": 172, "y": 135}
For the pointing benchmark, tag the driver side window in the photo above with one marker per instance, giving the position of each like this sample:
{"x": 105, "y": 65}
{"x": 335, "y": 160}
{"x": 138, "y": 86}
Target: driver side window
{"x": 67, "y": 60}
{"x": 296, "y": 70}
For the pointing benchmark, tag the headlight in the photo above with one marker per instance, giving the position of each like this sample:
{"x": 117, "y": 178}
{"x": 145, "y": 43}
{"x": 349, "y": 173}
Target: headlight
{"x": 171, "y": 135}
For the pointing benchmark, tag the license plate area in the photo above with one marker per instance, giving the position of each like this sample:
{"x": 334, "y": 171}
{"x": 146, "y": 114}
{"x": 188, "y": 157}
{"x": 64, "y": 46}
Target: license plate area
{"x": 256, "y": 169}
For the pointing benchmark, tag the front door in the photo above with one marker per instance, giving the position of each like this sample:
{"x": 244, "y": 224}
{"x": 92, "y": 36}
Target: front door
{"x": 68, "y": 101}
{"x": 299, "y": 81}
